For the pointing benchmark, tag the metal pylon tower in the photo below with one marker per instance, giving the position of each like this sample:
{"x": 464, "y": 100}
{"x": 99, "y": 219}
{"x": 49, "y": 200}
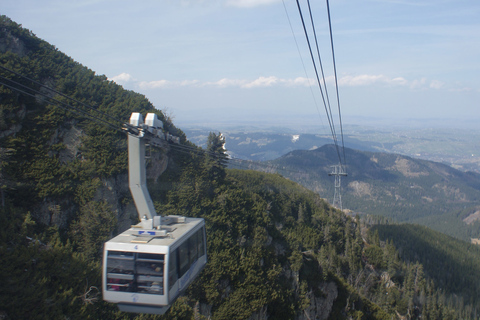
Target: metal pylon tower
{"x": 338, "y": 172}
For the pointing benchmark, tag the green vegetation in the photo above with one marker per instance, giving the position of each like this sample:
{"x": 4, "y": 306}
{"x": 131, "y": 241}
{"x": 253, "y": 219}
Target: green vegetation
{"x": 275, "y": 249}
{"x": 390, "y": 185}
{"x": 451, "y": 263}
{"x": 453, "y": 224}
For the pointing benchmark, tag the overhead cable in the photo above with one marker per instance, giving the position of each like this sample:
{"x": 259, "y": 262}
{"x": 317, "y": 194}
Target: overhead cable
{"x": 34, "y": 93}
{"x": 320, "y": 62}
{"x": 336, "y": 82}
{"x": 303, "y": 64}
{"x": 59, "y": 103}
{"x": 329, "y": 115}
{"x": 63, "y": 95}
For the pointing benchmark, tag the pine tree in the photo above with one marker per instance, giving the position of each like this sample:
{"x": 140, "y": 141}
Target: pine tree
{"x": 216, "y": 157}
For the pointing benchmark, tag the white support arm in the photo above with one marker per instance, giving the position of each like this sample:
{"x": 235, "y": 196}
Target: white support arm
{"x": 137, "y": 175}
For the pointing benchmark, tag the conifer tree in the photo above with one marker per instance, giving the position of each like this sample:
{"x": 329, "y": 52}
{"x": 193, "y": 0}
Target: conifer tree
{"x": 216, "y": 160}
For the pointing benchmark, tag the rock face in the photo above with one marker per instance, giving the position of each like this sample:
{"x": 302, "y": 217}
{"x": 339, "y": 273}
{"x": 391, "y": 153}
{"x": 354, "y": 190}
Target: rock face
{"x": 157, "y": 165}
{"x": 72, "y": 140}
{"x": 320, "y": 307}
{"x": 113, "y": 190}
{"x": 8, "y": 42}
{"x": 54, "y": 212}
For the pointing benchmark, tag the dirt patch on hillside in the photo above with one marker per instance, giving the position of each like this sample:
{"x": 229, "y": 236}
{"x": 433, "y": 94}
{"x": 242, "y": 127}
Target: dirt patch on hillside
{"x": 360, "y": 189}
{"x": 408, "y": 168}
{"x": 472, "y": 218}
{"x": 455, "y": 194}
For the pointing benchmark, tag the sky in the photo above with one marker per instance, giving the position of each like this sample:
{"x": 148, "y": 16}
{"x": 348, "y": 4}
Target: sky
{"x": 211, "y": 62}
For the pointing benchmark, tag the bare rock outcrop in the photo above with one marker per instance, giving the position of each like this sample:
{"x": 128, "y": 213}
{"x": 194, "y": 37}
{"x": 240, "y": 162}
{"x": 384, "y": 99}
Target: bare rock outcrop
{"x": 320, "y": 308}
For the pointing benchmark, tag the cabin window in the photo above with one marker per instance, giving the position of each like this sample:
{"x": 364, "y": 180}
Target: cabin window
{"x": 120, "y": 262}
{"x": 183, "y": 260}
{"x": 190, "y": 251}
{"x": 201, "y": 242}
{"x": 149, "y": 271}
{"x": 135, "y": 272}
{"x": 172, "y": 269}
{"x": 193, "y": 248}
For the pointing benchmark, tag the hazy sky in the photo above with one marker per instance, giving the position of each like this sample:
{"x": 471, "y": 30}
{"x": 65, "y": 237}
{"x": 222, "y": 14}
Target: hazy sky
{"x": 237, "y": 60}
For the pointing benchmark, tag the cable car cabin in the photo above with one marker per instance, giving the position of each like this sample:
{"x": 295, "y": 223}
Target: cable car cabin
{"x": 148, "y": 266}
{"x": 145, "y": 270}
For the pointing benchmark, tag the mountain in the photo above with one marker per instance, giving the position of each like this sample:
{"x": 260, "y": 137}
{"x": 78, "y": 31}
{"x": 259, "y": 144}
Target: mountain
{"x": 452, "y": 145}
{"x": 251, "y": 144}
{"x": 390, "y": 185}
{"x": 275, "y": 249}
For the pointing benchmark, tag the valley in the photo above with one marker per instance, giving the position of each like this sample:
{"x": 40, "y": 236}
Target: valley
{"x": 425, "y": 176}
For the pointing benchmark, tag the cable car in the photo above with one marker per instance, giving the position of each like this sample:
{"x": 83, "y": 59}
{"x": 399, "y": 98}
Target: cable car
{"x": 148, "y": 266}
{"x": 145, "y": 271}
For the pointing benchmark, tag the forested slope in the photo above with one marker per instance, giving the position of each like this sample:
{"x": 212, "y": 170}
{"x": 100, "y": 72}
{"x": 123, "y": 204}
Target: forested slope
{"x": 453, "y": 264}
{"x": 389, "y": 185}
{"x": 276, "y": 250}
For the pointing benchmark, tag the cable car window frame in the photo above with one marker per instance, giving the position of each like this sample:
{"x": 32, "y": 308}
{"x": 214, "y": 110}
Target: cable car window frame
{"x": 193, "y": 248}
{"x": 140, "y": 277}
{"x": 172, "y": 268}
{"x": 185, "y": 255}
{"x": 201, "y": 242}
{"x": 183, "y": 260}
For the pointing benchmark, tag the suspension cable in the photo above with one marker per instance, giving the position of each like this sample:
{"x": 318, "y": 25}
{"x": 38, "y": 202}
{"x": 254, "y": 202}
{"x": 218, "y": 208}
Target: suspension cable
{"x": 59, "y": 103}
{"x": 336, "y": 81}
{"x": 63, "y": 95}
{"x": 303, "y": 65}
{"x": 23, "y": 89}
{"x": 329, "y": 116}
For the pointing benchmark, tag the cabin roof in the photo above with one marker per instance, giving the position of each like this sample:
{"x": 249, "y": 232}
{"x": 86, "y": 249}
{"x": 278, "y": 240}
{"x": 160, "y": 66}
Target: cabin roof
{"x": 144, "y": 238}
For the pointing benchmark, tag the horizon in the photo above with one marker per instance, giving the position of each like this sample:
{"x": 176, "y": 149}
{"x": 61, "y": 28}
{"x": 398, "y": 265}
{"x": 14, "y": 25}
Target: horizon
{"x": 310, "y": 124}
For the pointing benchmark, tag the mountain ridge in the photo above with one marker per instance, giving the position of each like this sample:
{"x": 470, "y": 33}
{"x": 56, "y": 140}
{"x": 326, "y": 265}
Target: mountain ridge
{"x": 390, "y": 185}
{"x": 449, "y": 145}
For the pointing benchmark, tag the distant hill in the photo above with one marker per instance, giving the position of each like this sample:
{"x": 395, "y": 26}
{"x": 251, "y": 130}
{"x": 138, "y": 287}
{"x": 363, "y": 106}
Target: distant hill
{"x": 389, "y": 185}
{"x": 456, "y": 147}
{"x": 251, "y": 144}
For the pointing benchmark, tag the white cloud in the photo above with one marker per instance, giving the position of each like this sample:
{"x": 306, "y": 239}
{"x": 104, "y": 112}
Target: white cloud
{"x": 166, "y": 84}
{"x": 121, "y": 78}
{"x": 366, "y": 79}
{"x": 262, "y": 82}
{"x": 223, "y": 83}
{"x": 250, "y": 3}
{"x": 185, "y": 83}
{"x": 273, "y": 81}
{"x": 301, "y": 81}
{"x": 400, "y": 81}
{"x": 418, "y": 83}
{"x": 154, "y": 84}
{"x": 369, "y": 79}
{"x": 354, "y": 81}
{"x": 435, "y": 84}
